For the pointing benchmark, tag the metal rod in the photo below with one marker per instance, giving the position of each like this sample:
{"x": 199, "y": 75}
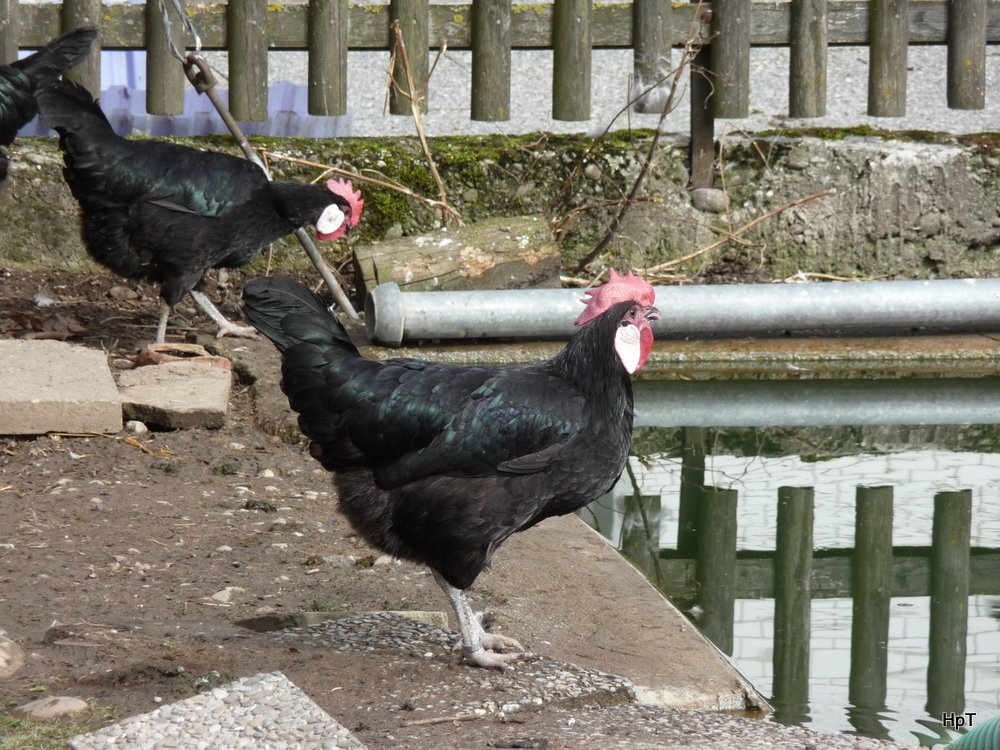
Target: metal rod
{"x": 720, "y": 311}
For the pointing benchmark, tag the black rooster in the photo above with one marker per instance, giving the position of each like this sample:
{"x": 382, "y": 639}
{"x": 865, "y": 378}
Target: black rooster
{"x": 166, "y": 213}
{"x": 440, "y": 464}
{"x": 22, "y": 80}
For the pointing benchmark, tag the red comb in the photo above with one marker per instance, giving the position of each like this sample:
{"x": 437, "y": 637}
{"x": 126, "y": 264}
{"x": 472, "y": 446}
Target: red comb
{"x": 345, "y": 189}
{"x": 628, "y": 288}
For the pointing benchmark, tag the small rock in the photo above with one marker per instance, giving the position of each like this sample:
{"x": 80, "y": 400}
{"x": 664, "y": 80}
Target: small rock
{"x": 592, "y": 172}
{"x": 710, "y": 199}
{"x": 11, "y": 657}
{"x": 226, "y": 595}
{"x": 134, "y": 425}
{"x": 50, "y": 708}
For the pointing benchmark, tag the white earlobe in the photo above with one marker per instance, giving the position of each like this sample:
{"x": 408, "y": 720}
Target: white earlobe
{"x": 330, "y": 220}
{"x": 628, "y": 348}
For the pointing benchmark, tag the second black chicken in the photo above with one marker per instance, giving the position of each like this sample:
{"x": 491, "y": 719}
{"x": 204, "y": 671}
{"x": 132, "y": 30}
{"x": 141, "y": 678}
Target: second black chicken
{"x": 168, "y": 214}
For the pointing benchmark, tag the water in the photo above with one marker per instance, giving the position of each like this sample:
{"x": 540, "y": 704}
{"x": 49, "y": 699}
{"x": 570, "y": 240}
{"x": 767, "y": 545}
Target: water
{"x": 896, "y": 693}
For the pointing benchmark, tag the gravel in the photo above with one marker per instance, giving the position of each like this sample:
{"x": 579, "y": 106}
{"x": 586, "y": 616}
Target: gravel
{"x": 262, "y": 711}
{"x": 588, "y": 708}
{"x": 531, "y": 76}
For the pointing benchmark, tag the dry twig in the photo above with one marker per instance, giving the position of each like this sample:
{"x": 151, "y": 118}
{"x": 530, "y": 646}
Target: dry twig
{"x": 383, "y": 183}
{"x": 416, "y": 108}
{"x": 159, "y": 453}
{"x": 440, "y": 720}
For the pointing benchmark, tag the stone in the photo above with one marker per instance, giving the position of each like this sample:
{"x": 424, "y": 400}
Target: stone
{"x": 50, "y": 708}
{"x": 710, "y": 199}
{"x": 53, "y": 386}
{"x": 11, "y": 657}
{"x": 226, "y": 595}
{"x": 177, "y": 395}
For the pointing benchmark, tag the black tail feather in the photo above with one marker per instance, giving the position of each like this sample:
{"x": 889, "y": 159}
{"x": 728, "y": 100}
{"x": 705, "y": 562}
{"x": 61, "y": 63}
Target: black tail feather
{"x": 61, "y": 53}
{"x": 288, "y": 314}
{"x": 68, "y": 107}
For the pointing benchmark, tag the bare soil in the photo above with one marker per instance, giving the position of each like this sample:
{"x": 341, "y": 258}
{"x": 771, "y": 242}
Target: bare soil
{"x": 127, "y": 561}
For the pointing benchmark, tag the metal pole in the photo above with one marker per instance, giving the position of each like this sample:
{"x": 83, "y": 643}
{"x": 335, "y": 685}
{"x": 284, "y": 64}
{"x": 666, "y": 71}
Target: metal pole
{"x": 721, "y": 311}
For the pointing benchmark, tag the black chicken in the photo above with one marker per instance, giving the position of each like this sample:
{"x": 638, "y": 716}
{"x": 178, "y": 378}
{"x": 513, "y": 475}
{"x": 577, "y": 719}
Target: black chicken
{"x": 440, "y": 464}
{"x": 166, "y": 213}
{"x": 22, "y": 80}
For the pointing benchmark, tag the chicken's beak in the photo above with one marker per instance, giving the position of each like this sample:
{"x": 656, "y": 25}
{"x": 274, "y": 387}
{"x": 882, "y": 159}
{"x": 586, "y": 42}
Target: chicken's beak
{"x": 653, "y": 314}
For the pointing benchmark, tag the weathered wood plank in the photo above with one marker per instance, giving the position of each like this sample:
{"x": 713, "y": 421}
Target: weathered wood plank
{"x": 497, "y": 253}
{"x": 76, "y": 13}
{"x": 412, "y": 16}
{"x": 967, "y": 54}
{"x": 328, "y": 41}
{"x": 732, "y": 21}
{"x": 10, "y": 30}
{"x": 871, "y": 587}
{"x": 165, "y": 79}
{"x": 652, "y": 31}
{"x": 888, "y": 42}
{"x": 702, "y": 151}
{"x": 831, "y": 575}
{"x": 571, "y": 59}
{"x": 123, "y": 26}
{"x": 692, "y": 486}
{"x": 793, "y": 556}
{"x": 716, "y": 568}
{"x": 246, "y": 33}
{"x": 951, "y": 534}
{"x": 807, "y": 69}
{"x": 490, "y": 60}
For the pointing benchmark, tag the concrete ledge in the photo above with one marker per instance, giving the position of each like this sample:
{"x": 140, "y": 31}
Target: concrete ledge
{"x": 52, "y": 386}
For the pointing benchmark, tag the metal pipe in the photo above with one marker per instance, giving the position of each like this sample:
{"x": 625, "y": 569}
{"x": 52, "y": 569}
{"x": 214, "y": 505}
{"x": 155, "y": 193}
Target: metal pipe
{"x": 714, "y": 311}
{"x": 806, "y": 403}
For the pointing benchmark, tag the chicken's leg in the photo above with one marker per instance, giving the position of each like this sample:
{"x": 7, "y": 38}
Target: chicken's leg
{"x": 480, "y": 648}
{"x": 161, "y": 328}
{"x": 226, "y": 327}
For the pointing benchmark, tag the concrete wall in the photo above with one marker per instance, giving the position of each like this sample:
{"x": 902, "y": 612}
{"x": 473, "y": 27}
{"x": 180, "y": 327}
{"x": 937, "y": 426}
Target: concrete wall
{"x": 901, "y": 209}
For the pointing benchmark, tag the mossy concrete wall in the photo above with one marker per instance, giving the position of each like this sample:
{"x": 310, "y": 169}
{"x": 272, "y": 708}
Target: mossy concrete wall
{"x": 901, "y": 208}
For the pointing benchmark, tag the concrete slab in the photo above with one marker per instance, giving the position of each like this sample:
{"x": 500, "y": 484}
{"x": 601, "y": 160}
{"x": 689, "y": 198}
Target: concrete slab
{"x": 265, "y": 710}
{"x": 177, "y": 395}
{"x": 571, "y": 596}
{"x": 52, "y": 386}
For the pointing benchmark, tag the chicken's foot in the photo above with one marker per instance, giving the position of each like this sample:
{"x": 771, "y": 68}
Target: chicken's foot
{"x": 226, "y": 327}
{"x": 479, "y": 648}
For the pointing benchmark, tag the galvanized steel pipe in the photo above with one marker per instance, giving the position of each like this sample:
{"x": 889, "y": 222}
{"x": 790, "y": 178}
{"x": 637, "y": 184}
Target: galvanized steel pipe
{"x": 714, "y": 311}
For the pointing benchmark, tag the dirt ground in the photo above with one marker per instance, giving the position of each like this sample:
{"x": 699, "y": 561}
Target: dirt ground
{"x": 125, "y": 564}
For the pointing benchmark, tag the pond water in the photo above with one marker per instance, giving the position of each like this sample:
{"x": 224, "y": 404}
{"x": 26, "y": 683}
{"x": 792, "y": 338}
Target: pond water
{"x": 883, "y": 660}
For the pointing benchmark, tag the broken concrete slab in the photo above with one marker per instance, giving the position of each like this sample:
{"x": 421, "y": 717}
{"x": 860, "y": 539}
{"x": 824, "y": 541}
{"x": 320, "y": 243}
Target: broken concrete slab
{"x": 53, "y": 386}
{"x": 177, "y": 395}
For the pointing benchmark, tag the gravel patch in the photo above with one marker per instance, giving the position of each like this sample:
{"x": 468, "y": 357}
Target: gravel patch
{"x": 263, "y": 711}
{"x": 531, "y": 94}
{"x": 530, "y": 685}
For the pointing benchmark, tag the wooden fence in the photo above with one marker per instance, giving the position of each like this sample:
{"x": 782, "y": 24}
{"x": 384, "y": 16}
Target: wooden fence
{"x": 727, "y": 29}
{"x": 793, "y": 574}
